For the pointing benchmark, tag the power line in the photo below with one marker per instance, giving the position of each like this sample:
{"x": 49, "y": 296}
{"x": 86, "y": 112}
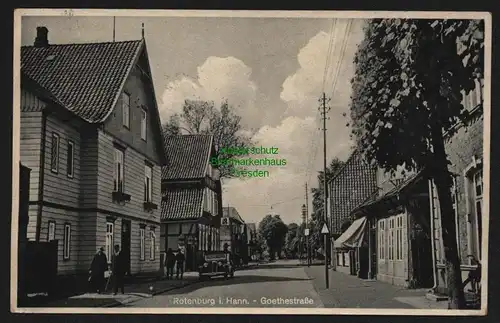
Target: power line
{"x": 343, "y": 49}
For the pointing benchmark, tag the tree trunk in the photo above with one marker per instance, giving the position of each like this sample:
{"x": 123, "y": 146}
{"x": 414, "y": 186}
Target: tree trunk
{"x": 442, "y": 180}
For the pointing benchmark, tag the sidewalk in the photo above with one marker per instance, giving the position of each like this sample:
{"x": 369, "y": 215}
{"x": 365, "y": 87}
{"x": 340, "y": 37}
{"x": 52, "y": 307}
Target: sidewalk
{"x": 144, "y": 289}
{"x": 348, "y": 291}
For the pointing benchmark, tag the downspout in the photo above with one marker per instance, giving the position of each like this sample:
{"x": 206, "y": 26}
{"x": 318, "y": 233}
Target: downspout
{"x": 433, "y": 246}
{"x": 41, "y": 176}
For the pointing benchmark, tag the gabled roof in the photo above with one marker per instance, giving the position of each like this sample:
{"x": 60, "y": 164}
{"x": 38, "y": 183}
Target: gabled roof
{"x": 231, "y": 212}
{"x": 182, "y": 204}
{"x": 187, "y": 155}
{"x": 85, "y": 78}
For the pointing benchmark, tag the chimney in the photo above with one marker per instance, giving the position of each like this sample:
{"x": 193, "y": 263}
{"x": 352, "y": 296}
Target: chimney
{"x": 42, "y": 39}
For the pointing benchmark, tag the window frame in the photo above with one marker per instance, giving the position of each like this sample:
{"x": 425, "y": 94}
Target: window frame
{"x": 142, "y": 244}
{"x": 148, "y": 190}
{"x": 67, "y": 242}
{"x": 478, "y": 198}
{"x": 49, "y": 238}
{"x": 54, "y": 161}
{"x": 144, "y": 124}
{"x": 119, "y": 170}
{"x": 72, "y": 159}
{"x": 454, "y": 201}
{"x": 125, "y": 109}
{"x": 152, "y": 245}
{"x": 111, "y": 234}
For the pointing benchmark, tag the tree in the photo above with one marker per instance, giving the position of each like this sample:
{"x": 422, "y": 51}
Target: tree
{"x": 410, "y": 76}
{"x": 273, "y": 231}
{"x": 201, "y": 117}
{"x": 317, "y": 216}
{"x": 293, "y": 239}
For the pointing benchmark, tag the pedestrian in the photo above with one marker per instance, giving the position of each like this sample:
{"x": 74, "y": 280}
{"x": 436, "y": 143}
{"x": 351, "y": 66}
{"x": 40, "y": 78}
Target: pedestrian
{"x": 180, "y": 264}
{"x": 118, "y": 271}
{"x": 474, "y": 276}
{"x": 170, "y": 263}
{"x": 97, "y": 269}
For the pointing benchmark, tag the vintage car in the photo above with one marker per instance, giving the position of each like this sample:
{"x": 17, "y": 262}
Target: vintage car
{"x": 216, "y": 263}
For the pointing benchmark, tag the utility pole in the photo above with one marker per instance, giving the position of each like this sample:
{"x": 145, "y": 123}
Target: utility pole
{"x": 308, "y": 254}
{"x": 324, "y": 110}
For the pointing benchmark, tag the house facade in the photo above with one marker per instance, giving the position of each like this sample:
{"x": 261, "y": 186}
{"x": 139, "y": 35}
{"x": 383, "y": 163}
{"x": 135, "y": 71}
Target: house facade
{"x": 352, "y": 185}
{"x": 234, "y": 232}
{"x": 90, "y": 132}
{"x": 191, "y": 206}
{"x": 465, "y": 153}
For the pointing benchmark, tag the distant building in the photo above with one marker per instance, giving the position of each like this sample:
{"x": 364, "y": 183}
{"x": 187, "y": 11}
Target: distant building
{"x": 192, "y": 198}
{"x": 252, "y": 240}
{"x": 233, "y": 232}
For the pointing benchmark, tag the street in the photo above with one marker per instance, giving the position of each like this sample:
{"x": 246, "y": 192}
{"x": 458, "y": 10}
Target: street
{"x": 284, "y": 283}
{"x": 257, "y": 287}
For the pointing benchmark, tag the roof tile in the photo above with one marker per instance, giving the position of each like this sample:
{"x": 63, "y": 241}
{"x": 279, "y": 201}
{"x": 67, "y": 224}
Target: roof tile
{"x": 182, "y": 204}
{"x": 85, "y": 78}
{"x": 187, "y": 156}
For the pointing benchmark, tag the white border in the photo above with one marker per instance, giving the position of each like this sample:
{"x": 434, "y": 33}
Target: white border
{"x": 19, "y": 13}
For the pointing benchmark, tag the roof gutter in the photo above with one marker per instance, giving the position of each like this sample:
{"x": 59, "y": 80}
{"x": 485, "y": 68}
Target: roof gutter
{"x": 41, "y": 175}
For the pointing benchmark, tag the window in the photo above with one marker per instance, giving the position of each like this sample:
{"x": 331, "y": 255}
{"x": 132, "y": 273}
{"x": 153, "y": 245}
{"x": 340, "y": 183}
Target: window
{"x": 391, "y": 239}
{"x": 67, "y": 241}
{"x": 152, "y": 245}
{"x": 51, "y": 233}
{"x": 478, "y": 206}
{"x": 118, "y": 171}
{"x": 109, "y": 240}
{"x": 144, "y": 124}
{"x": 126, "y": 109}
{"x": 70, "y": 159}
{"x": 474, "y": 97}
{"x": 148, "y": 189}
{"x": 399, "y": 237}
{"x": 54, "y": 161}
{"x": 381, "y": 239}
{"x": 454, "y": 201}
{"x": 142, "y": 244}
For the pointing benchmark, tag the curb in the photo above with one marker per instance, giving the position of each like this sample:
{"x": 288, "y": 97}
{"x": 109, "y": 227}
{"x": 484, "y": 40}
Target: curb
{"x": 158, "y": 292}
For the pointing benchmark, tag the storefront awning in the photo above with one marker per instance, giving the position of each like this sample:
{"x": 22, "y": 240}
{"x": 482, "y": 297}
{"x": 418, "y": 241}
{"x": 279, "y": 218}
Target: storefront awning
{"x": 353, "y": 236}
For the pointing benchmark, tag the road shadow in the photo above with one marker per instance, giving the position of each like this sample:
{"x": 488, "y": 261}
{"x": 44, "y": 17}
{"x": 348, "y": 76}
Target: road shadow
{"x": 283, "y": 266}
{"x": 236, "y": 280}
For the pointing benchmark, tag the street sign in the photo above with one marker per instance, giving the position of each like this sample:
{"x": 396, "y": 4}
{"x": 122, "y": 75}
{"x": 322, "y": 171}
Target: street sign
{"x": 225, "y": 221}
{"x": 306, "y": 232}
{"x": 324, "y": 230}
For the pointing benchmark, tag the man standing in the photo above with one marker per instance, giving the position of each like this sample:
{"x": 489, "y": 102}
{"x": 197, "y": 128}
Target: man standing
{"x": 180, "y": 264}
{"x": 97, "y": 268}
{"x": 118, "y": 267}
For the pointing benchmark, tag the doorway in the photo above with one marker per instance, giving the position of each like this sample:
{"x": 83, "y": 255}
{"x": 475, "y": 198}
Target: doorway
{"x": 126, "y": 245}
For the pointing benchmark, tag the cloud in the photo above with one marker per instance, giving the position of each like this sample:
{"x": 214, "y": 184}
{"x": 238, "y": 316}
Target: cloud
{"x": 298, "y": 135}
{"x": 218, "y": 78}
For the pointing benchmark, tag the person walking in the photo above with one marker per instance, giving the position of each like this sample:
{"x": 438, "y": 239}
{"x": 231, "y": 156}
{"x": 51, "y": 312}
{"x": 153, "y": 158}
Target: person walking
{"x": 97, "y": 269}
{"x": 180, "y": 258}
{"x": 118, "y": 271}
{"x": 170, "y": 263}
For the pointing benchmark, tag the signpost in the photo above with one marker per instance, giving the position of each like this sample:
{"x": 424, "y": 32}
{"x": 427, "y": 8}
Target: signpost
{"x": 325, "y": 232}
{"x": 306, "y": 233}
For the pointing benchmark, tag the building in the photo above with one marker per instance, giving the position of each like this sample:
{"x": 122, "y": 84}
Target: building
{"x": 399, "y": 214}
{"x": 252, "y": 241}
{"x": 354, "y": 183}
{"x": 465, "y": 152}
{"x": 91, "y": 134}
{"x": 233, "y": 232}
{"x": 191, "y": 208}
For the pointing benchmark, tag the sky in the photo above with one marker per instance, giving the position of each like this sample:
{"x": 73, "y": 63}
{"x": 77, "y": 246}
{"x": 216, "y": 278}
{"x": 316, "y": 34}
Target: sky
{"x": 271, "y": 70}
